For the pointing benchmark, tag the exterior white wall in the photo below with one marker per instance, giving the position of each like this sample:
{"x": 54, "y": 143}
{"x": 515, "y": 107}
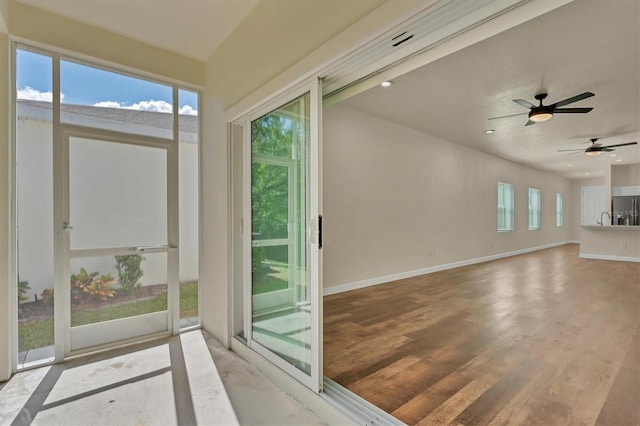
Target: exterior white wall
{"x": 34, "y": 198}
{"x": 111, "y": 213}
{"x": 398, "y": 200}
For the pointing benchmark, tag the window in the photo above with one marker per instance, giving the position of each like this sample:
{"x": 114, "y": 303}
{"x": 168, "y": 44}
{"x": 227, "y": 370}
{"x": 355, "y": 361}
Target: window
{"x": 505, "y": 207}
{"x": 127, "y": 152}
{"x": 534, "y": 209}
{"x": 559, "y": 210}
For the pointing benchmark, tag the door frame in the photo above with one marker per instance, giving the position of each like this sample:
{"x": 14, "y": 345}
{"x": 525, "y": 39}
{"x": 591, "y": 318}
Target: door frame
{"x": 62, "y": 242}
{"x": 312, "y": 86}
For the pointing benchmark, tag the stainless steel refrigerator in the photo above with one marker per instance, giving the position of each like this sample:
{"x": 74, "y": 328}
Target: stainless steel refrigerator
{"x": 626, "y": 210}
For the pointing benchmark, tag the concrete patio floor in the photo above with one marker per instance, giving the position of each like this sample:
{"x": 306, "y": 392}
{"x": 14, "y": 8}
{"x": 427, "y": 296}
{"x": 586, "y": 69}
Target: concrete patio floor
{"x": 186, "y": 379}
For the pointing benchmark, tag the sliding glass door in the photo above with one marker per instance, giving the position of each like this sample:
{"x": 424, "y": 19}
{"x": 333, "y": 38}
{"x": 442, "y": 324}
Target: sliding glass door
{"x": 285, "y": 236}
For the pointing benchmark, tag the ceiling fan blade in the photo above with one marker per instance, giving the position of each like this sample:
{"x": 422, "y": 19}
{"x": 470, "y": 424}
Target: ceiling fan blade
{"x": 529, "y": 123}
{"x": 567, "y": 150}
{"x": 572, "y": 110}
{"x": 524, "y": 103}
{"x": 608, "y": 149}
{"x": 577, "y": 152}
{"x": 620, "y": 144}
{"x": 505, "y": 116}
{"x": 573, "y": 99}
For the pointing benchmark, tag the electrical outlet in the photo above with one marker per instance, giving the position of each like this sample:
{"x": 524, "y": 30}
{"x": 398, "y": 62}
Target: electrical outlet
{"x": 624, "y": 245}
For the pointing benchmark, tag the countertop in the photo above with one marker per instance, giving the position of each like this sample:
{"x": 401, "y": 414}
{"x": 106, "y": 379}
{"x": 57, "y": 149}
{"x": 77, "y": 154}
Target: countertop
{"x": 613, "y": 227}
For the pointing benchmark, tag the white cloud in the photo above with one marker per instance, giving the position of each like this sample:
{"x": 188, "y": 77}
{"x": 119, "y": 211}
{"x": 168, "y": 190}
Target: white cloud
{"x": 154, "y": 106}
{"x": 32, "y": 94}
{"x": 108, "y": 104}
{"x": 188, "y": 110}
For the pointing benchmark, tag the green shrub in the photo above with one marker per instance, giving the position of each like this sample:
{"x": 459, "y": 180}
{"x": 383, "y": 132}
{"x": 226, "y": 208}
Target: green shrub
{"x": 84, "y": 284}
{"x": 23, "y": 286}
{"x": 100, "y": 287}
{"x": 129, "y": 271}
{"x": 47, "y": 295}
{"x": 79, "y": 282}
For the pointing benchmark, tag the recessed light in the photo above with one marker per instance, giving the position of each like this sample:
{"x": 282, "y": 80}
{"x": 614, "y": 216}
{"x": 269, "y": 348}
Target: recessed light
{"x": 619, "y": 160}
{"x": 587, "y": 173}
{"x": 614, "y": 155}
{"x": 386, "y": 83}
{"x": 569, "y": 165}
{"x": 489, "y": 131}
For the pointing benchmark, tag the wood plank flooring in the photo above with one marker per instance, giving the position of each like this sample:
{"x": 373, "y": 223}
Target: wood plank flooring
{"x": 544, "y": 338}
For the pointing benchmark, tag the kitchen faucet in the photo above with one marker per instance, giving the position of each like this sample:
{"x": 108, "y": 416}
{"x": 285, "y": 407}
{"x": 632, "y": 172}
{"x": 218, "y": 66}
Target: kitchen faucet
{"x": 601, "y": 222}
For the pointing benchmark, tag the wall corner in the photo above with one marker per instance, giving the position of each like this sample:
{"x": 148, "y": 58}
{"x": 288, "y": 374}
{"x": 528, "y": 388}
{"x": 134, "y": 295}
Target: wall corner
{"x": 6, "y": 320}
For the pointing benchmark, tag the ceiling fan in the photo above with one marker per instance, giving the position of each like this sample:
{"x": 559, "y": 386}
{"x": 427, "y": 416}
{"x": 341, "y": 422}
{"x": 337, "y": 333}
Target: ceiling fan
{"x": 596, "y": 148}
{"x": 540, "y": 113}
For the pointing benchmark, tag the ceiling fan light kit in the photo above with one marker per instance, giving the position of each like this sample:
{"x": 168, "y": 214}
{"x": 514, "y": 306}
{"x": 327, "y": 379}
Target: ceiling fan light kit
{"x": 596, "y": 148}
{"x": 540, "y": 113}
{"x": 539, "y": 117}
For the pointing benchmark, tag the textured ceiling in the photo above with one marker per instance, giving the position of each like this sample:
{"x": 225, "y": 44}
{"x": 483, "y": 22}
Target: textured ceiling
{"x": 587, "y": 45}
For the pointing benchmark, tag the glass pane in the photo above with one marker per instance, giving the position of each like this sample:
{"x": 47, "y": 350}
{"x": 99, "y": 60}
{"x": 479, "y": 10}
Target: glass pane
{"x": 188, "y": 151}
{"x": 118, "y": 194}
{"x": 34, "y": 207}
{"x": 270, "y": 209}
{"x": 103, "y": 99}
{"x": 281, "y": 310}
{"x": 111, "y": 287}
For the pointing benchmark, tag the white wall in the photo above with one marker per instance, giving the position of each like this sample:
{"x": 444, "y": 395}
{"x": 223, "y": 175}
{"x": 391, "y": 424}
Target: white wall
{"x": 234, "y": 83}
{"x": 625, "y": 175}
{"x": 37, "y": 25}
{"x": 615, "y": 243}
{"x": 398, "y": 200}
{"x": 6, "y": 294}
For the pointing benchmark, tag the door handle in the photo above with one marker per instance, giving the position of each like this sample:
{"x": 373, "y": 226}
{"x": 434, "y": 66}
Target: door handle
{"x": 149, "y": 249}
{"x": 320, "y": 232}
{"x": 66, "y": 226}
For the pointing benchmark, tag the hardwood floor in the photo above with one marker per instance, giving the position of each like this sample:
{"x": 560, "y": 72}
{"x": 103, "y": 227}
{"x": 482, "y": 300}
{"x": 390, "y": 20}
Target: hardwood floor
{"x": 543, "y": 338}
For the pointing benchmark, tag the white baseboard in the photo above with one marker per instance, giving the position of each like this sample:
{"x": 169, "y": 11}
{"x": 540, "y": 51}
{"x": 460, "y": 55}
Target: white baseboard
{"x": 340, "y": 288}
{"x": 573, "y": 242}
{"x": 609, "y": 257}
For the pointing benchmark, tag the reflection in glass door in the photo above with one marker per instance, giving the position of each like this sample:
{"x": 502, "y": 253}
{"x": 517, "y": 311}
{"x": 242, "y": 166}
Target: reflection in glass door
{"x": 284, "y": 250}
{"x": 117, "y": 230}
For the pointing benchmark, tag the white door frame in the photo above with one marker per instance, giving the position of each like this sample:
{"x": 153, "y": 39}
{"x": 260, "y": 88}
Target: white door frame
{"x": 313, "y": 87}
{"x": 127, "y": 329}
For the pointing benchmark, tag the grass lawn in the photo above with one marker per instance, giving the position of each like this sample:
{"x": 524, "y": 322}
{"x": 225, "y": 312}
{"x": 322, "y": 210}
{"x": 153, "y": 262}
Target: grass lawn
{"x": 270, "y": 276}
{"x": 37, "y": 334}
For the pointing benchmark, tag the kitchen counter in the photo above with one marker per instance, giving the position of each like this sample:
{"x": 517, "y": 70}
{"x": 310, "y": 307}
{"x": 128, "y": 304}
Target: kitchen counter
{"x": 613, "y": 227}
{"x": 610, "y": 242}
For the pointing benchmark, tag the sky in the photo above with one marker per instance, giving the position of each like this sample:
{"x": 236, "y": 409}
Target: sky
{"x": 84, "y": 85}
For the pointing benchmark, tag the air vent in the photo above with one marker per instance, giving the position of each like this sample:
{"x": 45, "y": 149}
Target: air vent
{"x": 398, "y": 43}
